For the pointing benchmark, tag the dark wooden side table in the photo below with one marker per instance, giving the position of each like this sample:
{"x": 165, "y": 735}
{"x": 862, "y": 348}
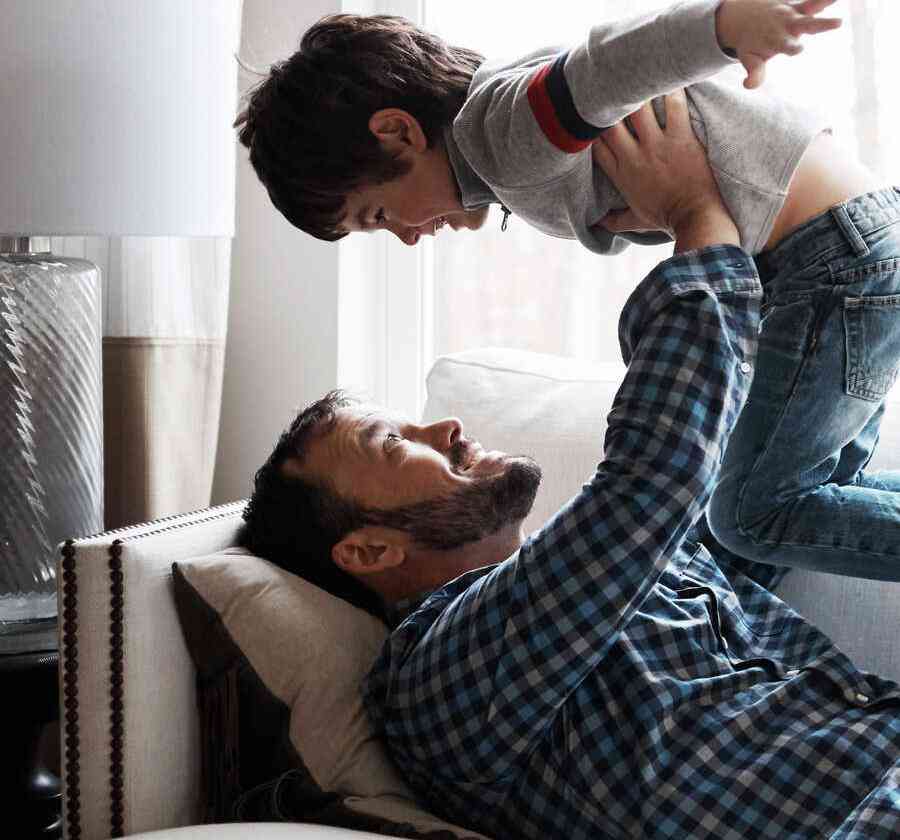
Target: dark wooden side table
{"x": 29, "y": 732}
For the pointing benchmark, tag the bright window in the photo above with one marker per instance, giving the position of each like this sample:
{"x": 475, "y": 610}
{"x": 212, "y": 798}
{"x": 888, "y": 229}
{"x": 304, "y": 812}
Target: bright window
{"x": 524, "y": 289}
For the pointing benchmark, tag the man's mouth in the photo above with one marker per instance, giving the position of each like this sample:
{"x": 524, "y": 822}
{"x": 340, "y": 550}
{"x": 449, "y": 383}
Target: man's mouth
{"x": 463, "y": 458}
{"x": 470, "y": 454}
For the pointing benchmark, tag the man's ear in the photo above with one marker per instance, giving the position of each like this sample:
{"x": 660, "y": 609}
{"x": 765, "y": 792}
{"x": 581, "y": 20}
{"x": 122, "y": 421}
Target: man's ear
{"x": 397, "y": 130}
{"x": 370, "y": 549}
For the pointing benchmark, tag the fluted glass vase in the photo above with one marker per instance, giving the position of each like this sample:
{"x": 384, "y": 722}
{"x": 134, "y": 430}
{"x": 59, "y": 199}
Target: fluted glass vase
{"x": 51, "y": 430}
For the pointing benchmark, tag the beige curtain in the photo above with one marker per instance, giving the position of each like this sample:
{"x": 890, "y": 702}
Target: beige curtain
{"x": 165, "y": 303}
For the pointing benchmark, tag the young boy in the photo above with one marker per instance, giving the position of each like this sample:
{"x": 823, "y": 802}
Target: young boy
{"x": 374, "y": 124}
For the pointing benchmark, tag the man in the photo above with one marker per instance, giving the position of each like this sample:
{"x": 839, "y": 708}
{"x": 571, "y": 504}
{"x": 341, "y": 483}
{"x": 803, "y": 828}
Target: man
{"x": 608, "y": 676}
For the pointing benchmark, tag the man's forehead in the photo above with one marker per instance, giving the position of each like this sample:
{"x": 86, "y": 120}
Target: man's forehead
{"x": 332, "y": 443}
{"x": 366, "y": 415}
{"x": 347, "y": 445}
{"x": 355, "y": 426}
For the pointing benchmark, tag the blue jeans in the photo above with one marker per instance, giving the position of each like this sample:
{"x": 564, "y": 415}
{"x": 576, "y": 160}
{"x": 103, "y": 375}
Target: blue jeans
{"x": 794, "y": 490}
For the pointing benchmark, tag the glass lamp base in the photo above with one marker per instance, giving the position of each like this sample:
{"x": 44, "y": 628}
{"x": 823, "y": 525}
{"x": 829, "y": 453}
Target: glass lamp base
{"x": 51, "y": 432}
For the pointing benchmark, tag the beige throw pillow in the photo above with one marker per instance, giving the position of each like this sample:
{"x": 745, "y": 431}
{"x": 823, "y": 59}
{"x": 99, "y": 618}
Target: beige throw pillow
{"x": 279, "y": 665}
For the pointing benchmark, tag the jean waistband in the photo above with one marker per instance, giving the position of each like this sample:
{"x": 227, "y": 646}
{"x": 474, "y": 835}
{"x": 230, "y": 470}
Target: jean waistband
{"x": 841, "y": 230}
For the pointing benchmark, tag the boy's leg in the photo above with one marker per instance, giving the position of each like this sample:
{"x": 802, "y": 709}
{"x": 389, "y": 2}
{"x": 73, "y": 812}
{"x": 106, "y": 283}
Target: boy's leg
{"x": 855, "y": 457}
{"x": 793, "y": 490}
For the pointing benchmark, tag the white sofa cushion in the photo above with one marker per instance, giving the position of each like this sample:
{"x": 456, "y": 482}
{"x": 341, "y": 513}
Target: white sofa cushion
{"x": 554, "y": 409}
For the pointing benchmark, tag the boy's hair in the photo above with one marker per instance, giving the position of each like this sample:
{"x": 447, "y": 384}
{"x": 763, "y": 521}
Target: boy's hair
{"x": 307, "y": 123}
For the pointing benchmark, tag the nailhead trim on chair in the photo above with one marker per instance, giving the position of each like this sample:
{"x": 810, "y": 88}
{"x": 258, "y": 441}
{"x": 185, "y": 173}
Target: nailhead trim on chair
{"x": 116, "y": 705}
{"x": 116, "y": 653}
{"x": 70, "y": 690}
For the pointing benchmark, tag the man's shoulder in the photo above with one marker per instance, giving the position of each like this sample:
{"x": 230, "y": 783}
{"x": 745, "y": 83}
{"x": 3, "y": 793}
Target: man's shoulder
{"x": 387, "y": 681}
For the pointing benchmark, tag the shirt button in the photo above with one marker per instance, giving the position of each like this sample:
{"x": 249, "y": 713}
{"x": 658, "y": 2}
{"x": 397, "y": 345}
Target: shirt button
{"x": 745, "y": 367}
{"x": 856, "y": 696}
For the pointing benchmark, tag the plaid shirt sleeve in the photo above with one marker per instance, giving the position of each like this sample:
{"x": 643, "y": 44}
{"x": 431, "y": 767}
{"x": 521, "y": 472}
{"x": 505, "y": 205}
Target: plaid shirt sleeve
{"x": 469, "y": 683}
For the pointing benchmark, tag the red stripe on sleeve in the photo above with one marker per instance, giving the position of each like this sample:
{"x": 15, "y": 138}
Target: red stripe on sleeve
{"x": 545, "y": 114}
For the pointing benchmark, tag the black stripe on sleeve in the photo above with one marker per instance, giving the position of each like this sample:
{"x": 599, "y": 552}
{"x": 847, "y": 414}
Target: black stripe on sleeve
{"x": 561, "y": 97}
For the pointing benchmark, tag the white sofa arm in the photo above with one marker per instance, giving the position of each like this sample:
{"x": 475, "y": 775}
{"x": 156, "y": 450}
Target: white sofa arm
{"x": 123, "y": 660}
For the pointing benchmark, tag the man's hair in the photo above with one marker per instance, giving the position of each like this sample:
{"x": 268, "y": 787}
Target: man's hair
{"x": 307, "y": 123}
{"x": 294, "y": 522}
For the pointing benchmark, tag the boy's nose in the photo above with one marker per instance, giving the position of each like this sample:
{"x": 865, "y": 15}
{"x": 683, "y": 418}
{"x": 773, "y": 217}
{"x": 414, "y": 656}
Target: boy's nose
{"x": 407, "y": 235}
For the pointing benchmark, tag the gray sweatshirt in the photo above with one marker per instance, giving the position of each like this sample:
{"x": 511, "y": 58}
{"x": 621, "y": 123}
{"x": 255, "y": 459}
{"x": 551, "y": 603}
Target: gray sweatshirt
{"x": 524, "y": 132}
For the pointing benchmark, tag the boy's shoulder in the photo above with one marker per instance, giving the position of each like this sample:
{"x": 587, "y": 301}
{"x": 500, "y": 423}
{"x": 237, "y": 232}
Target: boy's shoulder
{"x": 496, "y": 101}
{"x": 493, "y": 71}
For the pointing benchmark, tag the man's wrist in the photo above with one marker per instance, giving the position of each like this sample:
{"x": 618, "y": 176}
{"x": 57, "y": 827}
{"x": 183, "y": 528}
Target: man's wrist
{"x": 711, "y": 226}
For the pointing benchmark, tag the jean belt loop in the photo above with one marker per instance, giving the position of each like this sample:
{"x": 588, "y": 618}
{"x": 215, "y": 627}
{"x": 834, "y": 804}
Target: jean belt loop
{"x": 850, "y": 231}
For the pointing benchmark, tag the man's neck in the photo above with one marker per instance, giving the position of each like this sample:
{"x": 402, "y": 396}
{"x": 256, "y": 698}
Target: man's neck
{"x": 426, "y": 569}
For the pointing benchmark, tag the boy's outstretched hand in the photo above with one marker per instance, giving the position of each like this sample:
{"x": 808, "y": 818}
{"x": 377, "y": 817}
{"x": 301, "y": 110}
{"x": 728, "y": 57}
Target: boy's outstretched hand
{"x": 757, "y": 30}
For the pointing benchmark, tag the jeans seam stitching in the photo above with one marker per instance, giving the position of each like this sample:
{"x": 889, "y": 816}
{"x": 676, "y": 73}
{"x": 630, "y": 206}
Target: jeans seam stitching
{"x": 819, "y": 546}
{"x": 739, "y": 519}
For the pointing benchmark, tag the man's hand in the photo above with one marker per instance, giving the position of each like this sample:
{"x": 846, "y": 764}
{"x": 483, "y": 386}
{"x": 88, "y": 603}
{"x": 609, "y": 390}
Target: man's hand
{"x": 665, "y": 177}
{"x": 757, "y": 30}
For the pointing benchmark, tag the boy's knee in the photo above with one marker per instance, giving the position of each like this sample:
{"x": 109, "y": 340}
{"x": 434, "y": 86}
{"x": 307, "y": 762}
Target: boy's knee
{"x": 723, "y": 516}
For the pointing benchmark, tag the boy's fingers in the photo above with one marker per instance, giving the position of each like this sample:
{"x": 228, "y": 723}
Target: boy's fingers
{"x": 813, "y": 25}
{"x": 813, "y": 7}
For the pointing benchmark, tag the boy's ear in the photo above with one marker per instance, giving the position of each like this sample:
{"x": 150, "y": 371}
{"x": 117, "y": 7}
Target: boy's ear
{"x": 397, "y": 130}
{"x": 370, "y": 549}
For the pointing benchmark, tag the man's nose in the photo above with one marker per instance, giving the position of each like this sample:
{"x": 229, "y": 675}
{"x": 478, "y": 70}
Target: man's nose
{"x": 444, "y": 433}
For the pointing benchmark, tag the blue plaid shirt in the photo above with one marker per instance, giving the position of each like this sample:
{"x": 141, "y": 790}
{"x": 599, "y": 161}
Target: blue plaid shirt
{"x": 613, "y": 678}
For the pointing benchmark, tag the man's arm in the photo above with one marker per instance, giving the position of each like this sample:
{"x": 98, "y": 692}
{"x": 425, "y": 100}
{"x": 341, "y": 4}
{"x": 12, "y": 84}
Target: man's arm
{"x": 475, "y": 692}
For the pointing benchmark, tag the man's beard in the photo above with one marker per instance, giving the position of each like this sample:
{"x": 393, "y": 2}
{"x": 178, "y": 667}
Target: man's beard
{"x": 471, "y": 513}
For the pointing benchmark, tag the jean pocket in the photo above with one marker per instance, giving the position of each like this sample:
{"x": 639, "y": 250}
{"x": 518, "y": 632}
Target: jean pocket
{"x": 872, "y": 334}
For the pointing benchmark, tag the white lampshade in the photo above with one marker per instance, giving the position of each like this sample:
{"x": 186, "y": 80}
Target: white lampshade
{"x": 115, "y": 117}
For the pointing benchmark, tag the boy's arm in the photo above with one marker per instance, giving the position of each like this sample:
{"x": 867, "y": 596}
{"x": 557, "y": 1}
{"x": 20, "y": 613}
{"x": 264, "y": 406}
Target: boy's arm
{"x": 523, "y": 126}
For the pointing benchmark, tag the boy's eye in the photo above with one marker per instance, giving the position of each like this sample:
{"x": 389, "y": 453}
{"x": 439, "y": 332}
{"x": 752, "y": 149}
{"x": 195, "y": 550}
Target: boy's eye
{"x": 379, "y": 216}
{"x": 390, "y": 440}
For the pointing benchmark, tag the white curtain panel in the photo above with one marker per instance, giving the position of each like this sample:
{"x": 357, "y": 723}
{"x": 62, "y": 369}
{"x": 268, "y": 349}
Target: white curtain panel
{"x": 165, "y": 306}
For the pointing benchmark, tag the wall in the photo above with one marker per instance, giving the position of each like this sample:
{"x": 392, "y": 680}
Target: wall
{"x": 282, "y": 347}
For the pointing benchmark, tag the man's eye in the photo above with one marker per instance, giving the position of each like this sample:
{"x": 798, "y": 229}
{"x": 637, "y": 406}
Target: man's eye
{"x": 391, "y": 440}
{"x": 379, "y": 216}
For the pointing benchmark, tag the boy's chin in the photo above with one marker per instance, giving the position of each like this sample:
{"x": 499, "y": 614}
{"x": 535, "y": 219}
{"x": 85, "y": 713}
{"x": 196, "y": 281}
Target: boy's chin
{"x": 468, "y": 219}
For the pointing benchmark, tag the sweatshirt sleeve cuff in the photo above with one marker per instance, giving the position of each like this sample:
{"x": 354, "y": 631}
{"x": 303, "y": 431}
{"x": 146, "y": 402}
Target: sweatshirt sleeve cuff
{"x": 691, "y": 31}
